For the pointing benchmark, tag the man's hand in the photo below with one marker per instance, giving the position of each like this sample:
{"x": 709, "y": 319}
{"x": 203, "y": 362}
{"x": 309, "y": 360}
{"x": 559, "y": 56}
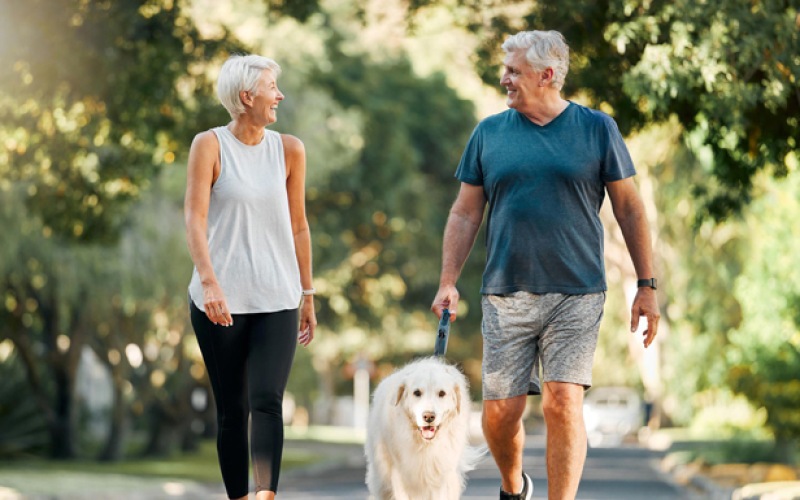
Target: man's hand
{"x": 446, "y": 298}
{"x": 646, "y": 304}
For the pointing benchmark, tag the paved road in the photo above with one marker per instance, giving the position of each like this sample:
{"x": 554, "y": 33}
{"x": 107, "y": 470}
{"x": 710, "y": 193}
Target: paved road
{"x": 625, "y": 473}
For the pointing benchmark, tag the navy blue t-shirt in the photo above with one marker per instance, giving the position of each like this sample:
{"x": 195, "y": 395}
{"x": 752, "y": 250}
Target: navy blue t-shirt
{"x": 545, "y": 186}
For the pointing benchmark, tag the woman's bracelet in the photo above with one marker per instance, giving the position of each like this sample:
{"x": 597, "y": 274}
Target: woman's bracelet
{"x": 309, "y": 291}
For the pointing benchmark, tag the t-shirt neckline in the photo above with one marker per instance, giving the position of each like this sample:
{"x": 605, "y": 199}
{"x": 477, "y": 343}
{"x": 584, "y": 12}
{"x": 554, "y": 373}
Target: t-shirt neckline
{"x": 558, "y": 117}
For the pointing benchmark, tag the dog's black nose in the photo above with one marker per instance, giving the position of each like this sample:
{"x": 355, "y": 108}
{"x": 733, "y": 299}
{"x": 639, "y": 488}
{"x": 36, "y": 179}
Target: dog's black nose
{"x": 429, "y": 416}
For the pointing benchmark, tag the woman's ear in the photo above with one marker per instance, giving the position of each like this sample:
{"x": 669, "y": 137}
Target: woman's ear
{"x": 246, "y": 97}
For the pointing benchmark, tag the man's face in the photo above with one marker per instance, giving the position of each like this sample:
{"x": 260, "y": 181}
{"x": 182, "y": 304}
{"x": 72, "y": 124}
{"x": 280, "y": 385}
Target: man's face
{"x": 523, "y": 84}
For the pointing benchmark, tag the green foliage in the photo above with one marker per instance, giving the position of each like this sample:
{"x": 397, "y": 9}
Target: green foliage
{"x": 298, "y": 9}
{"x": 23, "y": 428}
{"x": 697, "y": 264}
{"x": 775, "y": 386}
{"x": 724, "y": 451}
{"x": 764, "y": 355}
{"x": 97, "y": 97}
{"x": 378, "y": 221}
{"x": 100, "y": 99}
{"x": 729, "y": 72}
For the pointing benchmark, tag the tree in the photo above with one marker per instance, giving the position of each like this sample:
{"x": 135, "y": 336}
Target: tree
{"x": 697, "y": 263}
{"x": 378, "y": 220}
{"x": 98, "y": 97}
{"x": 727, "y": 71}
{"x": 764, "y": 353}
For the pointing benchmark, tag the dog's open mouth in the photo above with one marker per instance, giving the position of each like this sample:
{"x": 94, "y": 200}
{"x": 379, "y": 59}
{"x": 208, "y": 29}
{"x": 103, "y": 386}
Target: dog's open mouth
{"x": 428, "y": 432}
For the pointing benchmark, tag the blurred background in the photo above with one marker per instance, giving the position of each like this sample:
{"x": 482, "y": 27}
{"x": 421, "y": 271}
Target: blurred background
{"x": 99, "y": 102}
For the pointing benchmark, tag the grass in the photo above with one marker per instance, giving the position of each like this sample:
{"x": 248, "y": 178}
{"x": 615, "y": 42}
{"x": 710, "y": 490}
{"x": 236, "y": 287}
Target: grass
{"x": 327, "y": 434}
{"x": 686, "y": 446}
{"x": 193, "y": 475}
{"x": 200, "y": 466}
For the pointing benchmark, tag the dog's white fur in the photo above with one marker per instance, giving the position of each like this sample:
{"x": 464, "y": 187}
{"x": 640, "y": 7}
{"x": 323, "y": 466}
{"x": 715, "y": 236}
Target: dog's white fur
{"x": 418, "y": 434}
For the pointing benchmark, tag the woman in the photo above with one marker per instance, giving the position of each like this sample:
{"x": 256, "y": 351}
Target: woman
{"x": 249, "y": 240}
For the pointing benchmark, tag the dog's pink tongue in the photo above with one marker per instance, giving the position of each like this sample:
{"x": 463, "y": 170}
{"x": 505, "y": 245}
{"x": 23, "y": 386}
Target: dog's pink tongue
{"x": 428, "y": 432}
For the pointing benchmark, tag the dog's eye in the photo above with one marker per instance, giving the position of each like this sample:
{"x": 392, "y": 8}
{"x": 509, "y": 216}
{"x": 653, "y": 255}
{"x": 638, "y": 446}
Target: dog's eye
{"x": 418, "y": 393}
{"x": 442, "y": 394}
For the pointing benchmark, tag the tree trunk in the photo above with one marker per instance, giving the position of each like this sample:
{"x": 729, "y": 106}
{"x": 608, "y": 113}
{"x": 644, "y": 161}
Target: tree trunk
{"x": 64, "y": 368}
{"x": 114, "y": 446}
{"x": 62, "y": 428}
{"x": 172, "y": 419}
{"x": 168, "y": 429}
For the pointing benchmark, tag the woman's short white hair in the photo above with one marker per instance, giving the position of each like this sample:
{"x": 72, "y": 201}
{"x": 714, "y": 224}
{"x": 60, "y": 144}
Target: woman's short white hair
{"x": 241, "y": 72}
{"x": 543, "y": 49}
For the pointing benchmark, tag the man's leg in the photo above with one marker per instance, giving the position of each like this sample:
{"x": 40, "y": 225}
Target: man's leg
{"x": 505, "y": 435}
{"x": 562, "y": 404}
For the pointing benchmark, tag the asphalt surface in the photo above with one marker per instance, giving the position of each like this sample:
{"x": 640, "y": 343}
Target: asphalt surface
{"x": 620, "y": 473}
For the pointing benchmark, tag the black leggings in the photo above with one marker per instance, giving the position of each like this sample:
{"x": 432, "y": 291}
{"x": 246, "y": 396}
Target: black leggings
{"x": 248, "y": 365}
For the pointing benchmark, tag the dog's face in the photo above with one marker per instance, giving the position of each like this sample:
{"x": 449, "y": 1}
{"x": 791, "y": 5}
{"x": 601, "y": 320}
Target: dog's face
{"x": 430, "y": 398}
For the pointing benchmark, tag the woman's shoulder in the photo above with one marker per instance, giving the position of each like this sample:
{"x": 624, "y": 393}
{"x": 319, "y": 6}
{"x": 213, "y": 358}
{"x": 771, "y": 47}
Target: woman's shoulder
{"x": 291, "y": 144}
{"x": 206, "y": 139}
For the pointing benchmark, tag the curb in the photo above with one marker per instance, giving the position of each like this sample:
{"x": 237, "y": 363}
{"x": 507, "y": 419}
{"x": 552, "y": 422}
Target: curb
{"x": 712, "y": 490}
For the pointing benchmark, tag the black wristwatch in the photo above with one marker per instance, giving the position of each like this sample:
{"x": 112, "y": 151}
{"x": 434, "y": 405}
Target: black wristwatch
{"x": 651, "y": 282}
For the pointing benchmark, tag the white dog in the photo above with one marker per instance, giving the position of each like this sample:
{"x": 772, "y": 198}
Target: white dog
{"x": 417, "y": 436}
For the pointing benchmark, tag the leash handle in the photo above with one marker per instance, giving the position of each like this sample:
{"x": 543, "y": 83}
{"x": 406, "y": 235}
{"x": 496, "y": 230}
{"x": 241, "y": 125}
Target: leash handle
{"x": 442, "y": 334}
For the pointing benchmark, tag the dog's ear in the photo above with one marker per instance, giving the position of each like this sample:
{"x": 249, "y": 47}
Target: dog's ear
{"x": 457, "y": 385}
{"x": 400, "y": 391}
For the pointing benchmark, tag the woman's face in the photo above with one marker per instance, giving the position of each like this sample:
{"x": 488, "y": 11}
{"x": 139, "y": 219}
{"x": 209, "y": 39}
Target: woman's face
{"x": 266, "y": 98}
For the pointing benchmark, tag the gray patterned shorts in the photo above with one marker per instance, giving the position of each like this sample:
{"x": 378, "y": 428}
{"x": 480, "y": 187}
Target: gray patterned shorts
{"x": 525, "y": 332}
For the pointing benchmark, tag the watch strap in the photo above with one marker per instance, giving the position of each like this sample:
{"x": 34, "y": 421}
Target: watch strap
{"x": 650, "y": 282}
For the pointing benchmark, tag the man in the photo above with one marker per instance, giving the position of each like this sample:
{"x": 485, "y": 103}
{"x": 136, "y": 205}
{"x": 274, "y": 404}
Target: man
{"x": 543, "y": 166}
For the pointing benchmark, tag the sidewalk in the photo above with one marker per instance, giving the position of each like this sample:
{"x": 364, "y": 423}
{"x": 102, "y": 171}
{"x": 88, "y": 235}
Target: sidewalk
{"x": 729, "y": 481}
{"x": 732, "y": 481}
{"x": 18, "y": 484}
{"x": 32, "y": 485}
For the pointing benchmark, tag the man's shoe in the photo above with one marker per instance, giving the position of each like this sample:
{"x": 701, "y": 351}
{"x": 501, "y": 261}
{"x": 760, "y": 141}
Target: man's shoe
{"x": 525, "y": 494}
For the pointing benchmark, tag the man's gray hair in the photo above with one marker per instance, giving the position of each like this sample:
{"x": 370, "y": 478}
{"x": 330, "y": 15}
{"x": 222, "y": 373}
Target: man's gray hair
{"x": 241, "y": 73}
{"x": 543, "y": 49}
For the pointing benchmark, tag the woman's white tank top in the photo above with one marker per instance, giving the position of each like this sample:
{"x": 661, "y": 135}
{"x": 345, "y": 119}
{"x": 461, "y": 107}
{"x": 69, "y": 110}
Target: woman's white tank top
{"x": 249, "y": 228}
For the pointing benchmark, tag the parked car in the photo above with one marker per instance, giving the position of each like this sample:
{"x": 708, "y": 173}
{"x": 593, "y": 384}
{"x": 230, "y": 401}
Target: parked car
{"x": 611, "y": 414}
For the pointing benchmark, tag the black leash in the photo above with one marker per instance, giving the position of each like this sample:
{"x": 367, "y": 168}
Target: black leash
{"x": 443, "y": 333}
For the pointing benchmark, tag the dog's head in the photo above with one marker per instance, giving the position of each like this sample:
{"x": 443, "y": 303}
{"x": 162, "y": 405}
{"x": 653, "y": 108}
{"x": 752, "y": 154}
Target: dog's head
{"x": 431, "y": 394}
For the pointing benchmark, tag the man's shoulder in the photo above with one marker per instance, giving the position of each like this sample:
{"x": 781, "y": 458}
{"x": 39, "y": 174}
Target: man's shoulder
{"x": 591, "y": 115}
{"x": 496, "y": 120}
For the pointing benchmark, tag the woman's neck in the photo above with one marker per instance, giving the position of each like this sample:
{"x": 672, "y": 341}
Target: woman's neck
{"x": 246, "y": 132}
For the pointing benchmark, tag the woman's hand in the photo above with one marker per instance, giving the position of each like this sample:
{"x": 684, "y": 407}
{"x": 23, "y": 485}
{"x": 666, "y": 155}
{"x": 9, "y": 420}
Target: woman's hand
{"x": 308, "y": 321}
{"x": 215, "y": 305}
